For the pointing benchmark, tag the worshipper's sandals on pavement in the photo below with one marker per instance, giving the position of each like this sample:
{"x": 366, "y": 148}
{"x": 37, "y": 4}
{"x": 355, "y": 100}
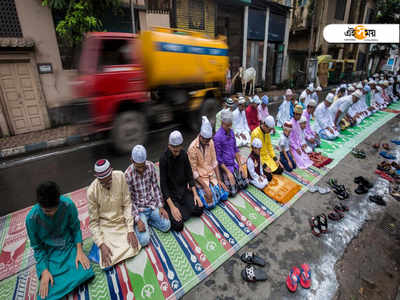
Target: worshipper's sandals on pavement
{"x": 358, "y": 153}
{"x": 386, "y": 147}
{"x": 376, "y": 146}
{"x": 387, "y": 155}
{"x": 397, "y": 142}
{"x": 251, "y": 274}
{"x": 315, "y": 226}
{"x": 335, "y": 216}
{"x": 305, "y": 276}
{"x": 394, "y": 190}
{"x": 377, "y": 199}
{"x": 320, "y": 189}
{"x": 363, "y": 181}
{"x": 252, "y": 259}
{"x": 293, "y": 279}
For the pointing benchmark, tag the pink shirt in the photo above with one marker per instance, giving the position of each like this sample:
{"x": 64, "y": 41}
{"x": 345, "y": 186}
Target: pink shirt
{"x": 262, "y": 112}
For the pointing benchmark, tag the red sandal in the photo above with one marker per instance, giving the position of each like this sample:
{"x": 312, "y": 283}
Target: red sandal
{"x": 292, "y": 280}
{"x": 305, "y": 276}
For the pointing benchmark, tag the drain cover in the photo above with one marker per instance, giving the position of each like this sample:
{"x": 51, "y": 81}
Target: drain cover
{"x": 391, "y": 226}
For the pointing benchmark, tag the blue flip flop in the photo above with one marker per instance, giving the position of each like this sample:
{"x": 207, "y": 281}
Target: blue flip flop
{"x": 386, "y": 155}
{"x": 397, "y": 142}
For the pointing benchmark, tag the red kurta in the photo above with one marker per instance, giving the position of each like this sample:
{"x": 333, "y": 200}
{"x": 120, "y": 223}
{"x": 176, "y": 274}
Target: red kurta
{"x": 252, "y": 117}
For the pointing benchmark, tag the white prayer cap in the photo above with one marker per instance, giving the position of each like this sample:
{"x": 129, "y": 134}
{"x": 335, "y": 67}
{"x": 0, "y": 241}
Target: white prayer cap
{"x": 206, "y": 129}
{"x": 242, "y": 100}
{"x": 312, "y": 103}
{"x": 288, "y": 125}
{"x": 102, "y": 168}
{"x": 343, "y": 86}
{"x": 227, "y": 116}
{"x": 302, "y": 119}
{"x": 257, "y": 143}
{"x": 319, "y": 89}
{"x": 381, "y": 82}
{"x": 311, "y": 87}
{"x": 365, "y": 81}
{"x": 175, "y": 138}
{"x": 251, "y": 100}
{"x": 358, "y": 94}
{"x": 269, "y": 121}
{"x": 139, "y": 154}
{"x": 386, "y": 82}
{"x": 329, "y": 98}
{"x": 289, "y": 92}
{"x": 359, "y": 86}
{"x": 351, "y": 89}
{"x": 379, "y": 89}
{"x": 376, "y": 75}
{"x": 372, "y": 82}
{"x": 256, "y": 99}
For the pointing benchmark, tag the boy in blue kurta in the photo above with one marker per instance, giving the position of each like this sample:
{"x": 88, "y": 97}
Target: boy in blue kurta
{"x": 54, "y": 231}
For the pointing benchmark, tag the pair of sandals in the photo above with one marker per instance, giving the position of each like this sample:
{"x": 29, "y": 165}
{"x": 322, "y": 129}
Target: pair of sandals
{"x": 319, "y": 225}
{"x": 358, "y": 153}
{"x": 377, "y": 200}
{"x": 384, "y": 146}
{"x": 338, "y": 189}
{"x": 320, "y": 189}
{"x": 394, "y": 190}
{"x": 363, "y": 185}
{"x": 338, "y": 212}
{"x": 250, "y": 273}
{"x": 387, "y": 155}
{"x": 300, "y": 275}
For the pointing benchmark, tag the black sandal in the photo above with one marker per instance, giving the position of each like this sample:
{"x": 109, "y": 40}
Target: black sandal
{"x": 251, "y": 258}
{"x": 315, "y": 226}
{"x": 335, "y": 216}
{"x": 251, "y": 274}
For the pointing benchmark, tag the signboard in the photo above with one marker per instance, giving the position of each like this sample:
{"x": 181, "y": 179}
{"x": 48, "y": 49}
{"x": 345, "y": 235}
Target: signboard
{"x": 45, "y": 68}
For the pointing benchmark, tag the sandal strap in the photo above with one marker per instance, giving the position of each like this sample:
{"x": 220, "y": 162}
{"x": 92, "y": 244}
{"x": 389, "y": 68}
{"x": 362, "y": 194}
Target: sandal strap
{"x": 303, "y": 274}
{"x": 249, "y": 256}
{"x": 294, "y": 278}
{"x": 251, "y": 275}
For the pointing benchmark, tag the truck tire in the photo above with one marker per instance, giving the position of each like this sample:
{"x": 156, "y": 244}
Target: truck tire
{"x": 209, "y": 108}
{"x": 129, "y": 129}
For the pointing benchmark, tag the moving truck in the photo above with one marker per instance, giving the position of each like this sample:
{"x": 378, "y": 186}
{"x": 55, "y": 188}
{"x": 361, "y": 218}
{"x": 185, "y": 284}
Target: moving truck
{"x": 163, "y": 75}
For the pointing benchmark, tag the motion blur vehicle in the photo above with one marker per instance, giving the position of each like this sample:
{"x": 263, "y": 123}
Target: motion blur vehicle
{"x": 163, "y": 75}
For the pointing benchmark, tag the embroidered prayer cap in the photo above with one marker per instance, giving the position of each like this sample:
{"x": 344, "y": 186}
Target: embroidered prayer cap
{"x": 329, "y": 98}
{"x": 102, "y": 168}
{"x": 257, "y": 143}
{"x": 358, "y": 94}
{"x": 139, "y": 154}
{"x": 289, "y": 92}
{"x": 229, "y": 102}
{"x": 175, "y": 138}
{"x": 206, "y": 129}
{"x": 298, "y": 109}
{"x": 242, "y": 100}
{"x": 269, "y": 121}
{"x": 312, "y": 103}
{"x": 265, "y": 99}
{"x": 287, "y": 125}
{"x": 226, "y": 116}
{"x": 319, "y": 89}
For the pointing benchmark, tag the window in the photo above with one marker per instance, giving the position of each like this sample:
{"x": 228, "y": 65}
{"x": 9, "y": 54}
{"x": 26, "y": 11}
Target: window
{"x": 340, "y": 9}
{"x": 196, "y": 14}
{"x": 9, "y": 23}
{"x": 158, "y": 5}
{"x": 115, "y": 52}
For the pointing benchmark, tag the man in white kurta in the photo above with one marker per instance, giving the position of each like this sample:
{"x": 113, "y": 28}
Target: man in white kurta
{"x": 110, "y": 216}
{"x": 340, "y": 108}
{"x": 240, "y": 126}
{"x": 307, "y": 95}
{"x": 324, "y": 124}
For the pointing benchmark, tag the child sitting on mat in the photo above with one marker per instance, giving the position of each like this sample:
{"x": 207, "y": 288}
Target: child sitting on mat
{"x": 254, "y": 167}
{"x": 286, "y": 157}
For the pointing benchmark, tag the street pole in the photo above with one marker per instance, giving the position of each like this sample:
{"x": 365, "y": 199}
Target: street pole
{"x": 310, "y": 43}
{"x": 133, "y": 17}
{"x": 265, "y": 52}
{"x": 245, "y": 25}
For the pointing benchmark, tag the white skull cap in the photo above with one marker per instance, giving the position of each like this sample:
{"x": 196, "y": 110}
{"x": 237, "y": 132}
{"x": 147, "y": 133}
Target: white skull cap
{"x": 312, "y": 103}
{"x": 256, "y": 99}
{"x": 227, "y": 116}
{"x": 269, "y": 121}
{"x": 139, "y": 154}
{"x": 302, "y": 119}
{"x": 358, "y": 94}
{"x": 329, "y": 97}
{"x": 257, "y": 143}
{"x": 206, "y": 129}
{"x": 242, "y": 100}
{"x": 319, "y": 89}
{"x": 175, "y": 138}
{"x": 359, "y": 85}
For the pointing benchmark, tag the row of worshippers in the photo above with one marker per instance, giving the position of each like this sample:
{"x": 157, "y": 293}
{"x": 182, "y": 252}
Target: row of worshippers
{"x": 123, "y": 207}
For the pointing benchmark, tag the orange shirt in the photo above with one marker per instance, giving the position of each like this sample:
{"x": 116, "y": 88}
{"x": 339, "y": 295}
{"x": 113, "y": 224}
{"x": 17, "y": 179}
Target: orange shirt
{"x": 203, "y": 161}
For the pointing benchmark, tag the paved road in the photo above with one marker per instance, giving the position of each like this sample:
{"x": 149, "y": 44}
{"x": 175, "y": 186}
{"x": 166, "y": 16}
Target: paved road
{"x": 71, "y": 168}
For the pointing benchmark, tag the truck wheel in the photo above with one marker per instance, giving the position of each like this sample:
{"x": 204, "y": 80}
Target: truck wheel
{"x": 129, "y": 129}
{"x": 209, "y": 108}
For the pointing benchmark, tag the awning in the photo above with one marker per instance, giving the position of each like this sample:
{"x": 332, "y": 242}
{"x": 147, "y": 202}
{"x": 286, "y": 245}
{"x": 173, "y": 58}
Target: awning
{"x": 16, "y": 43}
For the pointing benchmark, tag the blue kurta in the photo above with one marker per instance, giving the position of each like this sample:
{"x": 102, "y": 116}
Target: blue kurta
{"x": 54, "y": 240}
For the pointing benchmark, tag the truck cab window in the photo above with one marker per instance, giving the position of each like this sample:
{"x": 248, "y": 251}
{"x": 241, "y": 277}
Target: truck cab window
{"x": 115, "y": 52}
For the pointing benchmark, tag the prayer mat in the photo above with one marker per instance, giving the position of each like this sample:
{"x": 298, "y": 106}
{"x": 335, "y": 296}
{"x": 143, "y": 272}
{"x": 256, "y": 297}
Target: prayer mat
{"x": 173, "y": 263}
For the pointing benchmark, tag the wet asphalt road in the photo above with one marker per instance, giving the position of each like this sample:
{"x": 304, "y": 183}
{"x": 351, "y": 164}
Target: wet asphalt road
{"x": 70, "y": 169}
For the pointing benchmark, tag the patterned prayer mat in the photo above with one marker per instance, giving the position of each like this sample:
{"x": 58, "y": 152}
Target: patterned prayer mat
{"x": 174, "y": 262}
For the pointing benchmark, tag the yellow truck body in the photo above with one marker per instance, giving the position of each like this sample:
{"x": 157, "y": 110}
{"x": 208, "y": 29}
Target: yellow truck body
{"x": 179, "y": 57}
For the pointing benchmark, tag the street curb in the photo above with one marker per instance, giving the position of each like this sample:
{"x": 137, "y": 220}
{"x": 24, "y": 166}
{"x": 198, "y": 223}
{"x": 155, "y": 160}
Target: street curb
{"x": 35, "y": 147}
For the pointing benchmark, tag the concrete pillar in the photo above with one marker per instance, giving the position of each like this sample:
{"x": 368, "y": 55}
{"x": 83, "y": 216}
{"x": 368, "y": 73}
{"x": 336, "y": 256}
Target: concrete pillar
{"x": 284, "y": 73}
{"x": 265, "y": 52}
{"x": 245, "y": 26}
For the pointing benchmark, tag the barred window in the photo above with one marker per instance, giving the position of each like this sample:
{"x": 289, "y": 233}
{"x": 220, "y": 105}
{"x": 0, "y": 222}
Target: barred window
{"x": 196, "y": 14}
{"x": 157, "y": 5}
{"x": 9, "y": 23}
